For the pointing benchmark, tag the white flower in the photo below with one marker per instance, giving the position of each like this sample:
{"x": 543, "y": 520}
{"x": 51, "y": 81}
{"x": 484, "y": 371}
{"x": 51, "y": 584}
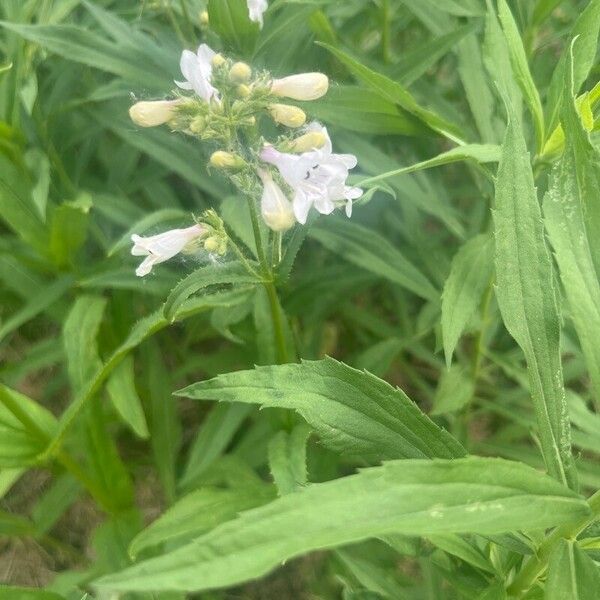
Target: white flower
{"x": 318, "y": 177}
{"x": 303, "y": 86}
{"x": 256, "y": 8}
{"x": 275, "y": 207}
{"x": 197, "y": 70}
{"x": 162, "y": 247}
{"x": 151, "y": 114}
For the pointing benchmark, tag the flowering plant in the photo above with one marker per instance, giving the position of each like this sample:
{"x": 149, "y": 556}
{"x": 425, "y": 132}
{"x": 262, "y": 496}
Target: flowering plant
{"x": 314, "y": 314}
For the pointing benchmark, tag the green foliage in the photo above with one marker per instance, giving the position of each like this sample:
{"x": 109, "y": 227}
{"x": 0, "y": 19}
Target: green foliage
{"x": 449, "y": 449}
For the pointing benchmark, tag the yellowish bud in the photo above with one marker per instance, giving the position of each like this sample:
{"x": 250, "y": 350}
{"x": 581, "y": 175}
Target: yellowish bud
{"x": 204, "y": 17}
{"x": 217, "y": 60}
{"x": 240, "y": 72}
{"x": 226, "y": 160}
{"x": 197, "y": 125}
{"x": 151, "y": 114}
{"x": 212, "y": 244}
{"x": 313, "y": 140}
{"x": 304, "y": 86}
{"x": 290, "y": 116}
{"x": 243, "y": 90}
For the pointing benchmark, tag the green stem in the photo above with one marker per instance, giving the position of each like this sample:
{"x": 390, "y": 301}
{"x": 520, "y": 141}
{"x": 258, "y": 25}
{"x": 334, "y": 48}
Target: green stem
{"x": 537, "y": 564}
{"x": 385, "y": 31}
{"x": 276, "y": 316}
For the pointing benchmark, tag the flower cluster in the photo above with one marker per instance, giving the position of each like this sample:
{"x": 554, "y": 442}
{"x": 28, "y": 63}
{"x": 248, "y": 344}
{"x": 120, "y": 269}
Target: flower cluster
{"x": 222, "y": 102}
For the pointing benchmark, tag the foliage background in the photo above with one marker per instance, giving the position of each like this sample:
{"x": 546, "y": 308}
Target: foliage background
{"x": 104, "y": 448}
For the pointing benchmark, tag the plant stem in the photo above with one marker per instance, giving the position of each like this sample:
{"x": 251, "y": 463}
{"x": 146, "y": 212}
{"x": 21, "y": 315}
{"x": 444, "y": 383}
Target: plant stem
{"x": 537, "y": 564}
{"x": 276, "y": 316}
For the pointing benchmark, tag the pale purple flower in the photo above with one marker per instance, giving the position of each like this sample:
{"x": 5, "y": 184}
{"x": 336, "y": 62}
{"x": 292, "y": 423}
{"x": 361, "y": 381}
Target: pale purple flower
{"x": 162, "y": 247}
{"x": 256, "y": 8}
{"x": 318, "y": 177}
{"x": 197, "y": 71}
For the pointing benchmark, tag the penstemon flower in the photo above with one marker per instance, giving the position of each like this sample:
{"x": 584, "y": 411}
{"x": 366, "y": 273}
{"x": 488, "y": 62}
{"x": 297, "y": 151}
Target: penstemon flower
{"x": 151, "y": 114}
{"x": 318, "y": 177}
{"x": 162, "y": 247}
{"x": 226, "y": 100}
{"x": 304, "y": 86}
{"x": 197, "y": 70}
{"x": 275, "y": 207}
{"x": 256, "y": 8}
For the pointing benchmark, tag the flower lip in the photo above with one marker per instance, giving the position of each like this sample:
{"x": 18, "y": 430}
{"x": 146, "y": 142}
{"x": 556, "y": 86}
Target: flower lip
{"x": 197, "y": 71}
{"x": 256, "y": 9}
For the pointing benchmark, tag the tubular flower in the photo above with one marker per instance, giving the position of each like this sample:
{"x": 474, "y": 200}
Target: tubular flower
{"x": 275, "y": 207}
{"x": 290, "y": 116}
{"x": 304, "y": 86}
{"x": 197, "y": 71}
{"x": 318, "y": 177}
{"x": 162, "y": 247}
{"x": 256, "y": 8}
{"x": 151, "y": 114}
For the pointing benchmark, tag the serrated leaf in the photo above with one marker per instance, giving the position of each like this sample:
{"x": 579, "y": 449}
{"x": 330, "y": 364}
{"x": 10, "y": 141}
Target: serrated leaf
{"x": 413, "y": 497}
{"x": 527, "y": 298}
{"x": 351, "y": 410}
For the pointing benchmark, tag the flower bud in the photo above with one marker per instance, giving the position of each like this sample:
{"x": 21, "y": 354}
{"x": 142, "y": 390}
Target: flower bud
{"x": 227, "y": 161}
{"x": 290, "y": 116}
{"x": 240, "y": 72}
{"x": 217, "y": 60}
{"x": 215, "y": 244}
{"x": 304, "y": 86}
{"x": 198, "y": 125}
{"x": 243, "y": 90}
{"x": 313, "y": 140}
{"x": 151, "y": 114}
{"x": 276, "y": 209}
{"x": 204, "y": 18}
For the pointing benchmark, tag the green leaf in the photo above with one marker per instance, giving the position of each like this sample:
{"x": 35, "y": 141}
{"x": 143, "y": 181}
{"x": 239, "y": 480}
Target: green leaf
{"x": 229, "y": 19}
{"x": 480, "y": 153}
{"x": 86, "y": 47}
{"x": 215, "y": 434}
{"x": 572, "y": 575}
{"x": 206, "y": 276}
{"x": 457, "y": 546}
{"x": 571, "y": 200}
{"x": 17, "y": 208}
{"x": 68, "y": 229}
{"x": 396, "y": 93}
{"x": 454, "y": 391}
{"x": 369, "y": 250}
{"x": 351, "y": 410}
{"x": 527, "y": 298}
{"x": 22, "y": 593}
{"x": 201, "y": 511}
{"x": 124, "y": 396}
{"x": 470, "y": 274}
{"x": 362, "y": 110}
{"x": 287, "y": 459}
{"x": 39, "y": 301}
{"x": 521, "y": 71}
{"x": 79, "y": 334}
{"x": 581, "y": 55}
{"x": 412, "y": 497}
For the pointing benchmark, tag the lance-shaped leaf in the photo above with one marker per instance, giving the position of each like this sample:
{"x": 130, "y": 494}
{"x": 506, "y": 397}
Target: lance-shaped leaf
{"x": 353, "y": 411}
{"x": 527, "y": 298}
{"x": 411, "y": 497}
{"x": 571, "y": 574}
{"x": 571, "y": 199}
